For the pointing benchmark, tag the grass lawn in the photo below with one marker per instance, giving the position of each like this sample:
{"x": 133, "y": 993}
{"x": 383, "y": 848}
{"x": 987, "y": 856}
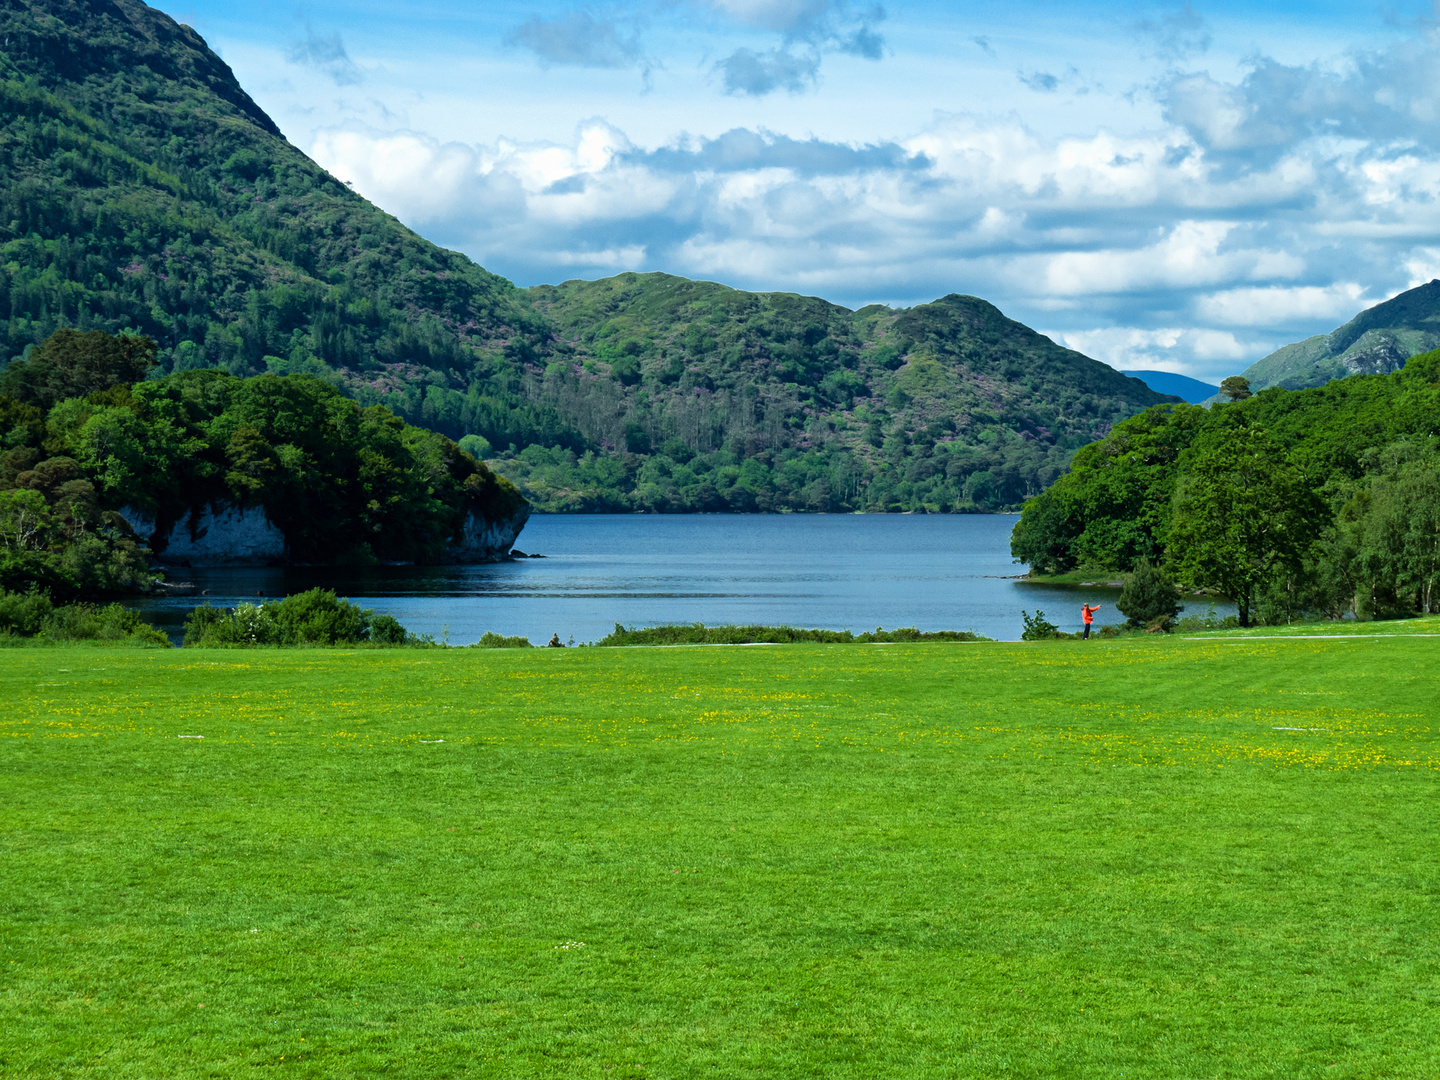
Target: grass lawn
{"x": 1141, "y": 858}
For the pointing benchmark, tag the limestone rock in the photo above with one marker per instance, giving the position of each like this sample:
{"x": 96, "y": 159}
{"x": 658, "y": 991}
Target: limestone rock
{"x": 224, "y": 535}
{"x": 488, "y": 541}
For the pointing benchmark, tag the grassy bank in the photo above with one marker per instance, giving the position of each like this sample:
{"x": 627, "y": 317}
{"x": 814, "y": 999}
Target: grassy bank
{"x": 1163, "y": 858}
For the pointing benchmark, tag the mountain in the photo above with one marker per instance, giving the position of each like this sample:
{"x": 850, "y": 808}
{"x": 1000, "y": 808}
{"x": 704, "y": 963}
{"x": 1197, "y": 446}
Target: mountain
{"x": 142, "y": 190}
{"x": 1182, "y": 386}
{"x": 1376, "y": 342}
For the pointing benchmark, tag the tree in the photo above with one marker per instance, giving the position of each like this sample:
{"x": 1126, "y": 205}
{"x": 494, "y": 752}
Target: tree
{"x": 1235, "y": 388}
{"x": 1037, "y": 627}
{"x": 1242, "y": 513}
{"x": 76, "y": 364}
{"x": 1149, "y": 597}
{"x": 1394, "y": 529}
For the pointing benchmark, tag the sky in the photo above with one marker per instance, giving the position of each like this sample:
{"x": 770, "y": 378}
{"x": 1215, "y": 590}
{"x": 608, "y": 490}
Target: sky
{"x": 1183, "y": 187}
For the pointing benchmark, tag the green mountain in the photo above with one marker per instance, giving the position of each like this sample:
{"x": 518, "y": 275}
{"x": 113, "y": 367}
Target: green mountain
{"x": 142, "y": 190}
{"x": 1376, "y": 342}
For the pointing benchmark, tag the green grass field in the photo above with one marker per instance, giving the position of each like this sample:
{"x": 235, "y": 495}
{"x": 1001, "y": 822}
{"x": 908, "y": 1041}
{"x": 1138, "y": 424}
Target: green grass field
{"x": 1139, "y": 858}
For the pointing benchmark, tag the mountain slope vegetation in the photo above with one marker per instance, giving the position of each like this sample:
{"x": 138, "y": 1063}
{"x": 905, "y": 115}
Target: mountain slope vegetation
{"x": 143, "y": 191}
{"x": 1376, "y": 342}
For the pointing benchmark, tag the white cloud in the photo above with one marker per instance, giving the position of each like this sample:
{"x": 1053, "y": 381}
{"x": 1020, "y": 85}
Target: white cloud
{"x": 1258, "y": 210}
{"x": 1282, "y": 306}
{"x": 1199, "y": 353}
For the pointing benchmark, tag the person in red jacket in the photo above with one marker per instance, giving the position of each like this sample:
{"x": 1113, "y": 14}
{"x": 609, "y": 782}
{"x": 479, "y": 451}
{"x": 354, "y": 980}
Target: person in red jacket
{"x": 1087, "y": 612}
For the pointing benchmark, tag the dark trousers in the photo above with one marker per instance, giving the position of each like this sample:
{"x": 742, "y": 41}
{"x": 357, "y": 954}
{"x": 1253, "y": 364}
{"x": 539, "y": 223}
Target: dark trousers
{"x": 1086, "y": 636}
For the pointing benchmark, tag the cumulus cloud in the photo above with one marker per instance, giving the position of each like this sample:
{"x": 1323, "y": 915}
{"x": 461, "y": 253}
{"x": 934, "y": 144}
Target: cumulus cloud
{"x": 326, "y": 53}
{"x": 758, "y": 73}
{"x": 1283, "y": 305}
{"x": 1184, "y": 350}
{"x": 807, "y": 29}
{"x": 1195, "y": 246}
{"x": 1377, "y": 95}
{"x": 578, "y": 39}
{"x": 743, "y": 150}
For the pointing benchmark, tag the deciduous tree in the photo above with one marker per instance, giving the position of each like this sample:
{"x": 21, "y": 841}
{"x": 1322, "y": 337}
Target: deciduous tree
{"x": 1241, "y": 514}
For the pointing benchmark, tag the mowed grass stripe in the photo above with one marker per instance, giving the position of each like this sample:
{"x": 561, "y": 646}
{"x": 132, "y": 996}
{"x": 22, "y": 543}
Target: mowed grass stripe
{"x": 1156, "y": 857}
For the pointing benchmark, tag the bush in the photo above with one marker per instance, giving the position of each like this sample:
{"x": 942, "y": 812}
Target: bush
{"x": 1038, "y": 628}
{"x": 1208, "y": 621}
{"x": 496, "y": 641}
{"x": 386, "y": 630}
{"x": 1149, "y": 598}
{"x": 33, "y": 615}
{"x": 313, "y": 618}
{"x": 24, "y": 614}
{"x": 700, "y": 634}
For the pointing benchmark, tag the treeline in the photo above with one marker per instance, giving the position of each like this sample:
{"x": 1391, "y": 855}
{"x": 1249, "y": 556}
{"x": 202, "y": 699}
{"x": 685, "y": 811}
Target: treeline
{"x": 1313, "y": 503}
{"x": 83, "y": 441}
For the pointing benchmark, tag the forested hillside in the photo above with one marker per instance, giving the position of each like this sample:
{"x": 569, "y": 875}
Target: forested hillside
{"x": 718, "y": 399}
{"x": 1324, "y": 501}
{"x": 142, "y": 190}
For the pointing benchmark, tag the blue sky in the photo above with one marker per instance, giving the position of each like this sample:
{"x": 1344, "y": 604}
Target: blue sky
{"x": 1184, "y": 187}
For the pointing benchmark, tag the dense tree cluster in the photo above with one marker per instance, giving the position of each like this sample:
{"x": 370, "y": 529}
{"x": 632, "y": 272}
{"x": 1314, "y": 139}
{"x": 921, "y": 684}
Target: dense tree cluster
{"x": 1315, "y": 502}
{"x": 342, "y": 482}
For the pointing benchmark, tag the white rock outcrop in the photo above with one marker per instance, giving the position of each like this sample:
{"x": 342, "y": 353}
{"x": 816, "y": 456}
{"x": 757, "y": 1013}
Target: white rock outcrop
{"x": 486, "y": 541}
{"x": 227, "y": 535}
{"x": 224, "y": 535}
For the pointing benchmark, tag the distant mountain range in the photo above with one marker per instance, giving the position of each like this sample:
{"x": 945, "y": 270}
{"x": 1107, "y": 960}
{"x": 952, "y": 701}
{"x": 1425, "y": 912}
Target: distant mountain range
{"x": 1376, "y": 342}
{"x": 142, "y": 189}
{"x": 1181, "y": 386}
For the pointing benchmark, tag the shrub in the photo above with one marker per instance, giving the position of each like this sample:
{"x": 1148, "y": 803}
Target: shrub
{"x": 315, "y": 617}
{"x": 700, "y": 634}
{"x": 1209, "y": 621}
{"x": 1037, "y": 627}
{"x": 496, "y": 641}
{"x": 23, "y": 614}
{"x": 386, "y": 630}
{"x": 1149, "y": 598}
{"x": 33, "y": 615}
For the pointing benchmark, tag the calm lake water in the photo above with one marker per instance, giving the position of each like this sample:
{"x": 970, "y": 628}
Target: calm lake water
{"x": 837, "y": 571}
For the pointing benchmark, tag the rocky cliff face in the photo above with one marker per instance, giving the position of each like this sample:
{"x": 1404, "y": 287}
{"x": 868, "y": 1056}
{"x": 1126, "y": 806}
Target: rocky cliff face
{"x": 487, "y": 541}
{"x": 233, "y": 536}
{"x": 223, "y": 536}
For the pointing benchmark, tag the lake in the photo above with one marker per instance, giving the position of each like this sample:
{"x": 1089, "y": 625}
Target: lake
{"x": 835, "y": 571}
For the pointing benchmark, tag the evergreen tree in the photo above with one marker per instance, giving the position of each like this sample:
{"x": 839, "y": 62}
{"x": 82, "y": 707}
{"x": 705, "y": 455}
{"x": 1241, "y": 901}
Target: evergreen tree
{"x": 1149, "y": 597}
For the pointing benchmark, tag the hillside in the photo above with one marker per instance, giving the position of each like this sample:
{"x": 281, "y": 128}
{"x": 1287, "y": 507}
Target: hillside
{"x": 719, "y": 399}
{"x": 141, "y": 189}
{"x": 1182, "y": 386}
{"x": 1376, "y": 342}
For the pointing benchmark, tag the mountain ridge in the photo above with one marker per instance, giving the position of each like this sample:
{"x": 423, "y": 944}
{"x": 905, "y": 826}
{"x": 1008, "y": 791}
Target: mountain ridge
{"x": 142, "y": 190}
{"x": 1377, "y": 341}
